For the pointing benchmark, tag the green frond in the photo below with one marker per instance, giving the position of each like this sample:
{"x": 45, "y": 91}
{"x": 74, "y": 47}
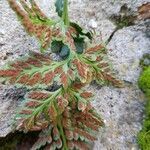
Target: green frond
{"x": 65, "y": 117}
{"x": 40, "y": 71}
{"x": 59, "y": 118}
{"x": 34, "y": 21}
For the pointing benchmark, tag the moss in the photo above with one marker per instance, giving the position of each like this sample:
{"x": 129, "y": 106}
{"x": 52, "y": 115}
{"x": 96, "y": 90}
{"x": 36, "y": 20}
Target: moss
{"x": 144, "y": 81}
{"x": 144, "y": 135}
{"x": 144, "y": 84}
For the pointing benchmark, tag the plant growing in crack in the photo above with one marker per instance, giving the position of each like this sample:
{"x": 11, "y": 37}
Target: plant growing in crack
{"x": 64, "y": 116}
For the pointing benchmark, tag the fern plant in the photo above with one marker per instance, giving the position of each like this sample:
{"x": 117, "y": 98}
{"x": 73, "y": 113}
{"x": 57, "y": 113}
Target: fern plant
{"x": 64, "y": 116}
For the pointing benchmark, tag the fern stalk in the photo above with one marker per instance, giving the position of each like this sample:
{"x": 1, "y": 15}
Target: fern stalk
{"x": 65, "y": 13}
{"x": 59, "y": 121}
{"x": 65, "y": 147}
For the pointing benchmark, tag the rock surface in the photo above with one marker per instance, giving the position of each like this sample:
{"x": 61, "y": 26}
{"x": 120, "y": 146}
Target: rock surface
{"x": 10, "y": 98}
{"x": 122, "y": 112}
{"x": 121, "y": 109}
{"x": 127, "y": 48}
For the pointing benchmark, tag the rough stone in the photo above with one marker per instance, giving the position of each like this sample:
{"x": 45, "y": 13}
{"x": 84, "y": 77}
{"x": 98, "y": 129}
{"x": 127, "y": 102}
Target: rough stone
{"x": 10, "y": 98}
{"x": 121, "y": 110}
{"x": 127, "y": 48}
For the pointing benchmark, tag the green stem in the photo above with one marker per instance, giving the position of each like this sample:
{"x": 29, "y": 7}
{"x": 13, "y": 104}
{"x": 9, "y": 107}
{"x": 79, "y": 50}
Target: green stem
{"x": 61, "y": 131}
{"x": 65, "y": 13}
{"x": 45, "y": 103}
{"x": 65, "y": 147}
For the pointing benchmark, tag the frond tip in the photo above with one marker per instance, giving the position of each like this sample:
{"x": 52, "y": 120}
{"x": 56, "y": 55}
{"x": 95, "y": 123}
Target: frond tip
{"x": 34, "y": 21}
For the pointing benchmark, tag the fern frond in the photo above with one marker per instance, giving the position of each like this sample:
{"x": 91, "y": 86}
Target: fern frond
{"x": 65, "y": 117}
{"x": 41, "y": 71}
{"x": 37, "y": 10}
{"x": 39, "y": 108}
{"x": 102, "y": 72}
{"x": 36, "y": 71}
{"x": 44, "y": 29}
{"x": 80, "y": 31}
{"x": 44, "y": 138}
{"x": 71, "y": 136}
{"x": 41, "y": 104}
{"x": 59, "y": 118}
{"x": 34, "y": 21}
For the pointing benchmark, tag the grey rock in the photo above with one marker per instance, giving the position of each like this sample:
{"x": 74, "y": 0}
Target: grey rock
{"x": 10, "y": 98}
{"x": 122, "y": 111}
{"x": 127, "y": 46}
